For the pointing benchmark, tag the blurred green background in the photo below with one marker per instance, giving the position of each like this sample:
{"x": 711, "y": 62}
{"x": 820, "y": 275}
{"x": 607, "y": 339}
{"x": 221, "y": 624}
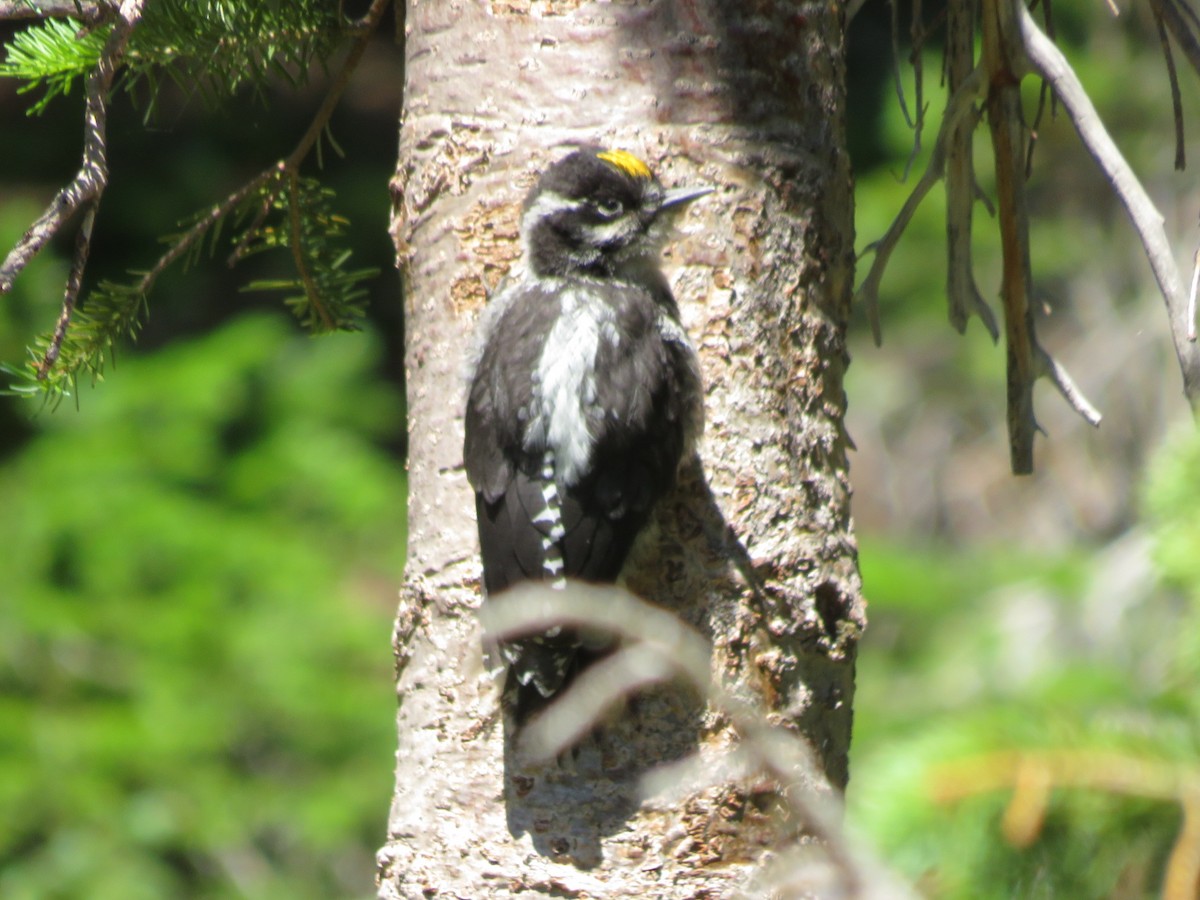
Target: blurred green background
{"x": 200, "y": 563}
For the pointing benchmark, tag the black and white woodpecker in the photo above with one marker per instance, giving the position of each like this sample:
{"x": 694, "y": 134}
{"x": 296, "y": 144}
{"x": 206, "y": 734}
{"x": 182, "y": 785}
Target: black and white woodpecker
{"x": 584, "y": 395}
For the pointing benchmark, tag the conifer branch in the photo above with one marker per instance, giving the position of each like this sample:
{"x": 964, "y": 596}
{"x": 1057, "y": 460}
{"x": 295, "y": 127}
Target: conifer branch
{"x": 332, "y": 296}
{"x": 90, "y": 181}
{"x": 85, "y": 190}
{"x": 297, "y": 247}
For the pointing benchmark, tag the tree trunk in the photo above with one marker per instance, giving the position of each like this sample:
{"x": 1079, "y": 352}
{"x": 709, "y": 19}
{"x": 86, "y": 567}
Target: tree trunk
{"x": 754, "y": 548}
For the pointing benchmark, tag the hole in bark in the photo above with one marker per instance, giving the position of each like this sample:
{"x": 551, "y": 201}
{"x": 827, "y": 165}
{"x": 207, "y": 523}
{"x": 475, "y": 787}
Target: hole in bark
{"x": 828, "y": 601}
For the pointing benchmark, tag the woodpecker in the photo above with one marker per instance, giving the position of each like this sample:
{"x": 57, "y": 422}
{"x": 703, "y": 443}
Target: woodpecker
{"x": 584, "y": 396}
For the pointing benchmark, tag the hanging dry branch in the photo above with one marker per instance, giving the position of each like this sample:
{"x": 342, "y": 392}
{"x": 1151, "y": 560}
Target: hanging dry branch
{"x": 1013, "y": 48}
{"x": 1176, "y": 101}
{"x": 1006, "y": 64}
{"x": 1181, "y": 21}
{"x": 1049, "y": 62}
{"x": 958, "y": 108}
{"x": 962, "y": 294}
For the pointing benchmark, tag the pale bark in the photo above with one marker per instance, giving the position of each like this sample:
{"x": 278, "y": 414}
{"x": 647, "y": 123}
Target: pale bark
{"x": 747, "y": 97}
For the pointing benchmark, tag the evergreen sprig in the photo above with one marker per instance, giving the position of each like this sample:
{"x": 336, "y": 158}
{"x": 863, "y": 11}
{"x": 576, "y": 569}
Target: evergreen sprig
{"x": 324, "y": 295}
{"x": 215, "y": 47}
{"x": 277, "y": 211}
{"x": 51, "y": 56}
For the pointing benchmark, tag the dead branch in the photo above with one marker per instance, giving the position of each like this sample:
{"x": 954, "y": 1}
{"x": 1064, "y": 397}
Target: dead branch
{"x": 957, "y": 108}
{"x": 1052, "y": 369}
{"x": 1176, "y": 100}
{"x": 1001, "y": 59}
{"x": 1049, "y": 62}
{"x": 1177, "y": 22}
{"x": 657, "y": 645}
{"x": 83, "y": 244}
{"x": 962, "y": 293}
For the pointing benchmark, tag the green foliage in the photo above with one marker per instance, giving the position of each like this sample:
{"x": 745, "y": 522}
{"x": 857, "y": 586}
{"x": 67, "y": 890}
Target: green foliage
{"x": 951, "y": 692}
{"x": 281, "y": 212}
{"x": 1173, "y": 507}
{"x": 325, "y": 296}
{"x": 51, "y": 56}
{"x": 214, "y": 47}
{"x": 195, "y": 677}
{"x": 1079, "y": 664}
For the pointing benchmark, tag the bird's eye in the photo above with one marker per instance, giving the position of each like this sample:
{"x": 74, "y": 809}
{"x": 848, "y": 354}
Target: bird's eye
{"x": 608, "y": 209}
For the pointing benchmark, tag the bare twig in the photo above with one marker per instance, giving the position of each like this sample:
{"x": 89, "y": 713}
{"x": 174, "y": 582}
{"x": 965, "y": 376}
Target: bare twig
{"x": 1182, "y": 24}
{"x": 83, "y": 243}
{"x": 917, "y": 37}
{"x": 1147, "y": 220}
{"x": 659, "y": 645}
{"x": 1043, "y": 93}
{"x": 1050, "y": 367}
{"x": 1176, "y": 101}
{"x": 962, "y": 294}
{"x": 958, "y": 107}
{"x": 296, "y": 242}
{"x": 201, "y": 228}
{"x": 896, "y": 79}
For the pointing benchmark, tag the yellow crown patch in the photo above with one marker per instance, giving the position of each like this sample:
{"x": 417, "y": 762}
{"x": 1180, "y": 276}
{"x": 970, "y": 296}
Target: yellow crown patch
{"x": 626, "y": 162}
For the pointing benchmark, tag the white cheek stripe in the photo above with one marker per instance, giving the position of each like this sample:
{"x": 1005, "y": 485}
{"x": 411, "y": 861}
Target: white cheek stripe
{"x": 601, "y": 235}
{"x": 547, "y": 204}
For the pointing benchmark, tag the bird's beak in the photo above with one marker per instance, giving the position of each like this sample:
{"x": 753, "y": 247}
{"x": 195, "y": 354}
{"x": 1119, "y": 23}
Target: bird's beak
{"x": 680, "y": 196}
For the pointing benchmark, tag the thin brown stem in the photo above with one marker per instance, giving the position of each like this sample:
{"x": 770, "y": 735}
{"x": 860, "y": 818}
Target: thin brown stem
{"x": 297, "y": 245}
{"x": 1176, "y": 101}
{"x": 83, "y": 243}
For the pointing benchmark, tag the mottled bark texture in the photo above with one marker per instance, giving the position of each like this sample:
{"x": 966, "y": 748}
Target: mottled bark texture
{"x": 755, "y": 546}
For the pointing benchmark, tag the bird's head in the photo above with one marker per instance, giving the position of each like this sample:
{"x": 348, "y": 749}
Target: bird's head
{"x": 596, "y": 212}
